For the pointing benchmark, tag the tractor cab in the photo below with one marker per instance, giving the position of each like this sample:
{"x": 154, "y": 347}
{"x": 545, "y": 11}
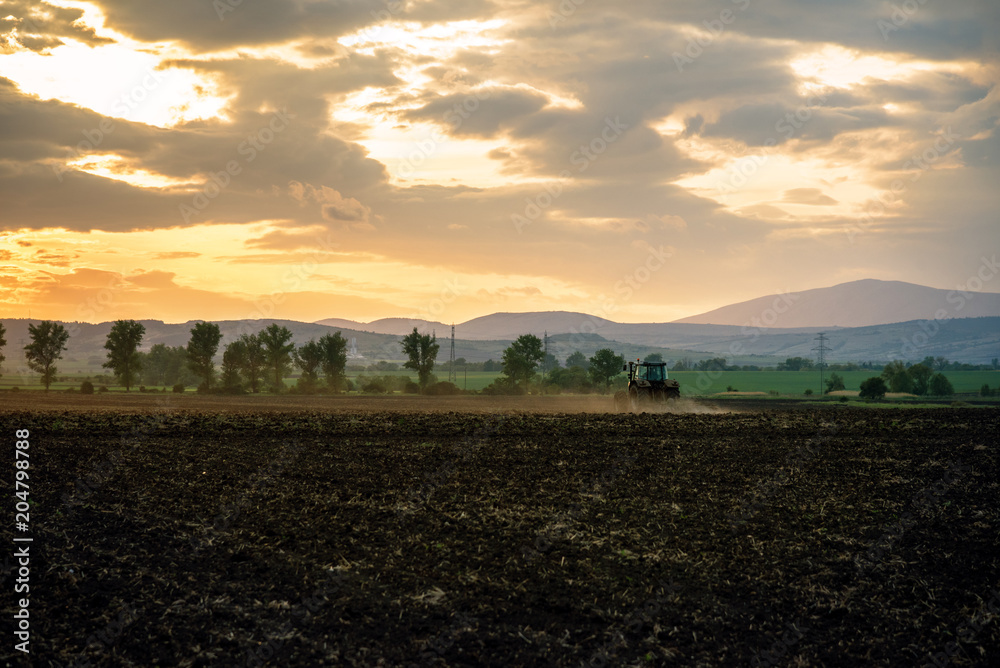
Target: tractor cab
{"x": 647, "y": 384}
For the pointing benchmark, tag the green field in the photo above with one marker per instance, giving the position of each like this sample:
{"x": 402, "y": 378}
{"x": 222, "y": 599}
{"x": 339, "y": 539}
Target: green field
{"x": 693, "y": 383}
{"x": 796, "y": 382}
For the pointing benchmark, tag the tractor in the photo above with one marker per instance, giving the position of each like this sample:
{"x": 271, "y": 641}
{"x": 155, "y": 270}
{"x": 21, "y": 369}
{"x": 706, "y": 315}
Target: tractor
{"x": 648, "y": 385}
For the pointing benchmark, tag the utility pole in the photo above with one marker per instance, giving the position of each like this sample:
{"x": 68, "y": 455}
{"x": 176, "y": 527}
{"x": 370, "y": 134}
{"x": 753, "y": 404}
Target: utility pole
{"x": 821, "y": 351}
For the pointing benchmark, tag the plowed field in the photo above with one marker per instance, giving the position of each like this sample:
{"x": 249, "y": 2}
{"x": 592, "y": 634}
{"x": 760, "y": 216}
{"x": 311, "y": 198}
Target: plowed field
{"x": 492, "y": 536}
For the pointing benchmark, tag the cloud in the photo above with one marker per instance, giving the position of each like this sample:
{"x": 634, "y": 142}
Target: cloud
{"x": 482, "y": 113}
{"x": 812, "y": 196}
{"x": 36, "y": 25}
{"x": 175, "y": 255}
{"x": 345, "y": 213}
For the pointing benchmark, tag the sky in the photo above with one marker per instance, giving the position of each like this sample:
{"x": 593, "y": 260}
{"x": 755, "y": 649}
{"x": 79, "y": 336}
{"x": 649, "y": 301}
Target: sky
{"x": 444, "y": 159}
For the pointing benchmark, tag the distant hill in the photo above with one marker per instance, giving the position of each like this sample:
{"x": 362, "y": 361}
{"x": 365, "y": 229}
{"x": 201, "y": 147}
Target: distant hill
{"x": 855, "y": 304}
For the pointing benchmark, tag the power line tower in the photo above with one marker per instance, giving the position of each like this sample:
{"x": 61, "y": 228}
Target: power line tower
{"x": 821, "y": 351}
{"x": 452, "y": 371}
{"x": 545, "y": 353}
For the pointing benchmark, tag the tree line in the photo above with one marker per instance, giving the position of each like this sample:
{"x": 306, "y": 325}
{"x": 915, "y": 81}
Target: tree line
{"x": 250, "y": 363}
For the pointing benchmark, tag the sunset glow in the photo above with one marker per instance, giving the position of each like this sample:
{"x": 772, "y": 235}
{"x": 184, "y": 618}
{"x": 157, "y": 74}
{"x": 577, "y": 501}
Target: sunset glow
{"x": 358, "y": 162}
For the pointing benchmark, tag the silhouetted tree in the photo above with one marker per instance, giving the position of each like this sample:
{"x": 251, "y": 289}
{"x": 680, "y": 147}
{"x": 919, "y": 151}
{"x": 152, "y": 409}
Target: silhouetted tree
{"x": 521, "y": 358}
{"x": 835, "y": 383}
{"x": 874, "y": 389}
{"x": 122, "y": 345}
{"x": 940, "y": 386}
{"x": 309, "y": 358}
{"x": 422, "y": 350}
{"x": 577, "y": 359}
{"x": 278, "y": 350}
{"x": 334, "y": 360}
{"x": 604, "y": 366}
{"x": 48, "y": 341}
{"x": 201, "y": 348}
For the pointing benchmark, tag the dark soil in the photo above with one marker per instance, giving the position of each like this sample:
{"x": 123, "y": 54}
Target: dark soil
{"x": 821, "y": 537}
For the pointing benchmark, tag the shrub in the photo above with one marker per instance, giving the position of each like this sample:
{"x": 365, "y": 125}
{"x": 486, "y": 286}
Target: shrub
{"x": 808, "y": 392}
{"x": 940, "y": 386}
{"x": 985, "y": 391}
{"x": 444, "y": 388}
{"x": 411, "y": 388}
{"x": 843, "y": 400}
{"x": 142, "y": 388}
{"x": 86, "y": 387}
{"x": 730, "y": 388}
{"x": 102, "y": 389}
{"x": 179, "y": 388}
{"x": 374, "y": 386}
{"x": 873, "y": 389}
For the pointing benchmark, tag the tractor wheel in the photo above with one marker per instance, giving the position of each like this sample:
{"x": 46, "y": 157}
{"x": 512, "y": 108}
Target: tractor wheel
{"x": 673, "y": 394}
{"x": 621, "y": 401}
{"x": 640, "y": 400}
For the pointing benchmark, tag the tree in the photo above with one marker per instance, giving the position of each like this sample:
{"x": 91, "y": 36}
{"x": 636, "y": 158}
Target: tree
{"x": 154, "y": 365}
{"x": 521, "y": 358}
{"x": 572, "y": 378}
{"x": 874, "y": 389}
{"x": 940, "y": 386}
{"x": 796, "y": 364}
{"x": 233, "y": 363}
{"x": 276, "y": 341}
{"x": 920, "y": 375}
{"x": 122, "y": 345}
{"x": 604, "y": 366}
{"x": 577, "y": 359}
{"x": 309, "y": 358}
{"x": 48, "y": 341}
{"x": 549, "y": 363}
{"x": 201, "y": 348}
{"x": 422, "y": 350}
{"x": 652, "y": 357}
{"x": 254, "y": 359}
{"x": 334, "y": 360}
{"x": 3, "y": 342}
{"x": 834, "y": 383}
{"x": 896, "y": 378}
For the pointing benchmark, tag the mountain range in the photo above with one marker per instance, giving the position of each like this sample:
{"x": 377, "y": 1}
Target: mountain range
{"x": 962, "y": 327}
{"x": 856, "y": 304}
